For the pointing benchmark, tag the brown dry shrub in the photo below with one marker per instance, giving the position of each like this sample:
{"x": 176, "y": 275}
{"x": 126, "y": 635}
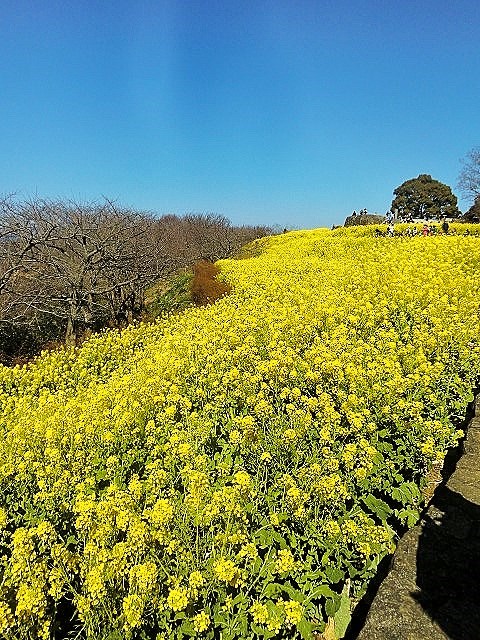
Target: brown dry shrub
{"x": 204, "y": 287}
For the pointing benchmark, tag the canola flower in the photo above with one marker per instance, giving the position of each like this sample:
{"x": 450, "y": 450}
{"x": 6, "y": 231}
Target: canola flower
{"x": 213, "y": 471}
{"x": 177, "y": 599}
{"x": 201, "y": 622}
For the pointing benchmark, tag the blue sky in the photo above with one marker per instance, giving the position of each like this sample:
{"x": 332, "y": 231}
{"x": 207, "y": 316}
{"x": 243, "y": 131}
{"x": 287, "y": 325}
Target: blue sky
{"x": 291, "y": 113}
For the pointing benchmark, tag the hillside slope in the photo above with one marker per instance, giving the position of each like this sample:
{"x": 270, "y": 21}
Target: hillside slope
{"x": 240, "y": 467}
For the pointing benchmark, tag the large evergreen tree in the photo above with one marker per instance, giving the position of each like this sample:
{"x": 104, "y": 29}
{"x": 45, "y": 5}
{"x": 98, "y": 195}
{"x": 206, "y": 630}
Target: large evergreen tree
{"x": 424, "y": 197}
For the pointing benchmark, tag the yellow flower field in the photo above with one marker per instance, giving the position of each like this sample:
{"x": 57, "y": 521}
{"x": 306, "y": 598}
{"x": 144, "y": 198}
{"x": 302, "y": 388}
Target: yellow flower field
{"x": 226, "y": 472}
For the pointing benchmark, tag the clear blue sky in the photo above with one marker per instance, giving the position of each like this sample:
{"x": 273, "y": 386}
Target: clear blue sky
{"x": 287, "y": 112}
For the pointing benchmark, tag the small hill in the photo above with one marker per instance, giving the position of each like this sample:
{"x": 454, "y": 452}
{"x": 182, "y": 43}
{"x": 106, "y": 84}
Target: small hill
{"x": 369, "y": 218}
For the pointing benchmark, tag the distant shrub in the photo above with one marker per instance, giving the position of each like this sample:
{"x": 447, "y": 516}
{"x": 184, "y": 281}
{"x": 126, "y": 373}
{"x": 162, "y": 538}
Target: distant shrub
{"x": 369, "y": 218}
{"x": 204, "y": 287}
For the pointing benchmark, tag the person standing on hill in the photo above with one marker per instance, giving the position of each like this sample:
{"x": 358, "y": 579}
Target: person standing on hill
{"x": 445, "y": 226}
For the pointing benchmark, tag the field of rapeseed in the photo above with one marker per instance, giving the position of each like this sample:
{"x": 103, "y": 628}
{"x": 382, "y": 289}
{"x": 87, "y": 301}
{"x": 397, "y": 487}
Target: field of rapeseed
{"x": 238, "y": 470}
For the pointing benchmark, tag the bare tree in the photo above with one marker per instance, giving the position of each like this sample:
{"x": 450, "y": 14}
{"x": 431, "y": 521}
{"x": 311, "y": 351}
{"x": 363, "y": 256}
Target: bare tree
{"x": 208, "y": 236}
{"x": 86, "y": 265}
{"x": 68, "y": 267}
{"x": 469, "y": 178}
{"x": 20, "y": 239}
{"x": 141, "y": 256}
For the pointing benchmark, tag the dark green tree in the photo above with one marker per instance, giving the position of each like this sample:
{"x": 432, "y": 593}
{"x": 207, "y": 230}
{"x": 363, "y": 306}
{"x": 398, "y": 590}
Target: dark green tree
{"x": 424, "y": 197}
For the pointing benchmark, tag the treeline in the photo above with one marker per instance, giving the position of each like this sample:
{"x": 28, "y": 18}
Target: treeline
{"x": 69, "y": 268}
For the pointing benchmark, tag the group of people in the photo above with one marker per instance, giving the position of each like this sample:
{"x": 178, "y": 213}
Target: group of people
{"x": 362, "y": 212}
{"x": 427, "y": 229}
{"x": 392, "y": 217}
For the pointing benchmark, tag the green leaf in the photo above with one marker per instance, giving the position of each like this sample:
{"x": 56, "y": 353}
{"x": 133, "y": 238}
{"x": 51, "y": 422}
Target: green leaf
{"x": 343, "y": 616}
{"x": 220, "y": 618}
{"x": 180, "y": 616}
{"x": 311, "y": 575}
{"x": 409, "y": 516}
{"x": 305, "y": 629}
{"x": 101, "y": 474}
{"x": 273, "y": 589}
{"x": 261, "y": 631}
{"x": 323, "y": 590}
{"x": 243, "y": 625}
{"x": 379, "y": 507}
{"x": 334, "y": 574}
{"x": 241, "y": 598}
{"x": 187, "y": 628}
{"x": 294, "y": 594}
{"x": 265, "y": 537}
{"x": 330, "y": 608}
{"x": 280, "y": 539}
{"x": 257, "y": 565}
{"x": 407, "y": 493}
{"x": 71, "y": 540}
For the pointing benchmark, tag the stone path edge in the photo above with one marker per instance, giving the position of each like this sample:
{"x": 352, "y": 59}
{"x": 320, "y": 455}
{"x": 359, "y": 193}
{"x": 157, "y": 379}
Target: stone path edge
{"x": 430, "y": 591}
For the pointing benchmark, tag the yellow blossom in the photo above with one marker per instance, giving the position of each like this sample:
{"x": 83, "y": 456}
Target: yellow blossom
{"x": 132, "y": 606}
{"x": 201, "y": 622}
{"x": 177, "y": 599}
{"x": 225, "y": 570}
{"x": 293, "y": 612}
{"x": 285, "y": 561}
{"x": 259, "y": 613}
